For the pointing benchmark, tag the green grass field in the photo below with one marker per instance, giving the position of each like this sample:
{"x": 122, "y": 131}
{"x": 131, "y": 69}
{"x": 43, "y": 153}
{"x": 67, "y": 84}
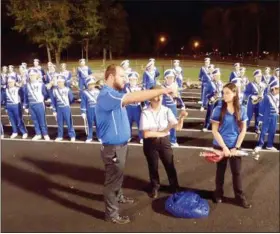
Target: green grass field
{"x": 190, "y": 68}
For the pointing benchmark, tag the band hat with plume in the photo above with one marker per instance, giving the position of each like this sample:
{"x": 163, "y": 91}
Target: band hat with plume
{"x": 125, "y": 62}
{"x": 169, "y": 72}
{"x": 207, "y": 59}
{"x": 133, "y": 75}
{"x": 82, "y": 60}
{"x": 257, "y": 72}
{"x": 36, "y": 60}
{"x": 274, "y": 84}
{"x": 216, "y": 71}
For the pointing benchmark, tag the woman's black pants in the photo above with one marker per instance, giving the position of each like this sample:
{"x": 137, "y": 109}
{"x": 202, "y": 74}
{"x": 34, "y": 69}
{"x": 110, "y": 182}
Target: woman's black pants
{"x": 155, "y": 148}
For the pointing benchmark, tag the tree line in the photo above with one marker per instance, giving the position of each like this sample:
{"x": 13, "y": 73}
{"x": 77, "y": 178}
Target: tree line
{"x": 55, "y": 25}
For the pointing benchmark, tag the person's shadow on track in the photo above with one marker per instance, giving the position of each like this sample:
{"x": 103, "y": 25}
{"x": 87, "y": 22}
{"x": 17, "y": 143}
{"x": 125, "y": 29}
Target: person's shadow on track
{"x": 40, "y": 185}
{"x": 87, "y": 174}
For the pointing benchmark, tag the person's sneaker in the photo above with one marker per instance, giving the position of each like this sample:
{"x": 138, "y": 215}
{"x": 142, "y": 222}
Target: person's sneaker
{"x": 201, "y": 108}
{"x": 257, "y": 149}
{"x": 271, "y": 148}
{"x": 217, "y": 199}
{"x": 154, "y": 193}
{"x": 47, "y": 138}
{"x": 58, "y": 139}
{"x": 141, "y": 141}
{"x": 2, "y": 136}
{"x": 14, "y": 135}
{"x": 88, "y": 140}
{"x": 73, "y": 139}
{"x": 24, "y": 136}
{"x": 126, "y": 200}
{"x": 174, "y": 144}
{"x": 244, "y": 203}
{"x": 199, "y": 102}
{"x": 79, "y": 100}
{"x": 37, "y": 137}
{"x": 119, "y": 220}
{"x": 204, "y": 130}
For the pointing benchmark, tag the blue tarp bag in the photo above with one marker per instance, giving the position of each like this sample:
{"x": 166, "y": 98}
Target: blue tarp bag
{"x": 187, "y": 205}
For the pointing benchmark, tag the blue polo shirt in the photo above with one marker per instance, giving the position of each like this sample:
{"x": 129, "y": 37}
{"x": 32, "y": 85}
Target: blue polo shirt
{"x": 112, "y": 123}
{"x": 228, "y": 129}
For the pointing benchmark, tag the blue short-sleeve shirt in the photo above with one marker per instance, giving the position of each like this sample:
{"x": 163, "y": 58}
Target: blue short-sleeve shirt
{"x": 112, "y": 123}
{"x": 228, "y": 129}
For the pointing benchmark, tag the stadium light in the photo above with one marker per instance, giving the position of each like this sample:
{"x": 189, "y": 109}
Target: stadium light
{"x": 162, "y": 39}
{"x": 196, "y": 44}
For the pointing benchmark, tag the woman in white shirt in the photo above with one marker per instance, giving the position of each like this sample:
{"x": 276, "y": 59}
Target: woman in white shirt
{"x": 156, "y": 121}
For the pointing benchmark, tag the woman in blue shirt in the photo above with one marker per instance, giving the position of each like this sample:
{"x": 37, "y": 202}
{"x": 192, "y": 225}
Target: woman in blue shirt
{"x": 229, "y": 130}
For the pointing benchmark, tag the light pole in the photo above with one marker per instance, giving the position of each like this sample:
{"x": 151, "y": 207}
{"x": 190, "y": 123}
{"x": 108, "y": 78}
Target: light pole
{"x": 162, "y": 40}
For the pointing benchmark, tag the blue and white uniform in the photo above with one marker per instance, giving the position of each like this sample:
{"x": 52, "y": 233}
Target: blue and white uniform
{"x": 4, "y": 79}
{"x": 203, "y": 71}
{"x": 61, "y": 101}
{"x": 150, "y": 76}
{"x": 12, "y": 99}
{"x": 235, "y": 73}
{"x": 35, "y": 93}
{"x": 134, "y": 110}
{"x": 83, "y": 73}
{"x": 238, "y": 82}
{"x": 171, "y": 102}
{"x": 206, "y": 80}
{"x": 253, "y": 90}
{"x": 88, "y": 103}
{"x": 179, "y": 78}
{"x": 213, "y": 90}
{"x": 68, "y": 75}
{"x": 268, "y": 116}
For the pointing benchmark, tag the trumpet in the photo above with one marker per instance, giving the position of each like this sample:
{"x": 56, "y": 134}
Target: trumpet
{"x": 215, "y": 98}
{"x": 259, "y": 96}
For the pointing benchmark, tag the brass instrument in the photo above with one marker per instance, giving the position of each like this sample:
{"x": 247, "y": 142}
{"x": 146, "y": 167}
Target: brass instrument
{"x": 99, "y": 84}
{"x": 215, "y": 99}
{"x": 259, "y": 96}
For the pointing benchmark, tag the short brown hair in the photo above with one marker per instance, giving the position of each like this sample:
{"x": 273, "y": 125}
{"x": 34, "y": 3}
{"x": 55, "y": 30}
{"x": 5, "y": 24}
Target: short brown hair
{"x": 110, "y": 70}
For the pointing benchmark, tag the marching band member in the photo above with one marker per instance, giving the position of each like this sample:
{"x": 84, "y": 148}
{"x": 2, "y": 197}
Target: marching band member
{"x": 127, "y": 69}
{"x": 150, "y": 76}
{"x": 39, "y": 69}
{"x": 24, "y": 65}
{"x": 266, "y": 77}
{"x": 176, "y": 64}
{"x": 269, "y": 112}
{"x": 12, "y": 74}
{"x": 155, "y": 68}
{"x": 4, "y": 78}
{"x": 83, "y": 72}
{"x": 35, "y": 92}
{"x": 238, "y": 82}
{"x": 275, "y": 77}
{"x": 23, "y": 75}
{"x": 134, "y": 109}
{"x": 170, "y": 101}
{"x": 1, "y": 130}
{"x": 206, "y": 80}
{"x": 62, "y": 98}
{"x": 179, "y": 77}
{"x": 51, "y": 74}
{"x": 88, "y": 103}
{"x": 155, "y": 123}
{"x": 252, "y": 96}
{"x": 236, "y": 72}
{"x": 214, "y": 95}
{"x": 12, "y": 100}
{"x": 67, "y": 74}
{"x": 203, "y": 71}
{"x": 229, "y": 130}
{"x": 244, "y": 79}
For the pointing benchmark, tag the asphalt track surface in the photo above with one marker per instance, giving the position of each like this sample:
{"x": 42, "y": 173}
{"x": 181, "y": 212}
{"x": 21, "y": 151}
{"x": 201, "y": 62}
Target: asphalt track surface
{"x": 58, "y": 187}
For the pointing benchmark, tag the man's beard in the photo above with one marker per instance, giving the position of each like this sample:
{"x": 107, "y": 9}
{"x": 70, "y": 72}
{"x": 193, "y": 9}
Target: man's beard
{"x": 117, "y": 86}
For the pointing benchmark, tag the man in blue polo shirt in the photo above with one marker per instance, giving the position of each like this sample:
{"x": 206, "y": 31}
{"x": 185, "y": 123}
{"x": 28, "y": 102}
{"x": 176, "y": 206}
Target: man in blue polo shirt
{"x": 113, "y": 128}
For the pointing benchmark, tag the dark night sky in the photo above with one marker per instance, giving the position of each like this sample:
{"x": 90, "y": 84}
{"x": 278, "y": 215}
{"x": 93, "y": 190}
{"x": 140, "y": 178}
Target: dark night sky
{"x": 180, "y": 20}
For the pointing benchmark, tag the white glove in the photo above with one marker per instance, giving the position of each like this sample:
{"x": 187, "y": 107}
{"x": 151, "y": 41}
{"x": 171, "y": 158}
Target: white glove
{"x": 26, "y": 111}
{"x": 212, "y": 99}
{"x": 54, "y": 114}
{"x": 183, "y": 108}
{"x": 254, "y": 97}
{"x": 83, "y": 115}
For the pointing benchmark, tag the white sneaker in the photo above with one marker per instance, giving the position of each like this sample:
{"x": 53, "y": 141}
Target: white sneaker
{"x": 199, "y": 102}
{"x": 141, "y": 141}
{"x": 48, "y": 100}
{"x": 24, "y": 136}
{"x": 58, "y": 139}
{"x": 73, "y": 139}
{"x": 201, "y": 108}
{"x": 14, "y": 135}
{"x": 174, "y": 144}
{"x": 47, "y": 138}
{"x": 79, "y": 100}
{"x": 271, "y": 148}
{"x": 204, "y": 130}
{"x": 2, "y": 137}
{"x": 37, "y": 137}
{"x": 257, "y": 149}
{"x": 88, "y": 140}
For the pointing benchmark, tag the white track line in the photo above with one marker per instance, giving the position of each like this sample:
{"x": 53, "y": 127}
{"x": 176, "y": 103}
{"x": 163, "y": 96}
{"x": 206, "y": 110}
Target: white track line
{"x": 135, "y": 128}
{"x": 133, "y": 144}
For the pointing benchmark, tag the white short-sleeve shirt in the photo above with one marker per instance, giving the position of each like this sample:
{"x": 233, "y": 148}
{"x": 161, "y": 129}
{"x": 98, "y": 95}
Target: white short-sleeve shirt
{"x": 157, "y": 121}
